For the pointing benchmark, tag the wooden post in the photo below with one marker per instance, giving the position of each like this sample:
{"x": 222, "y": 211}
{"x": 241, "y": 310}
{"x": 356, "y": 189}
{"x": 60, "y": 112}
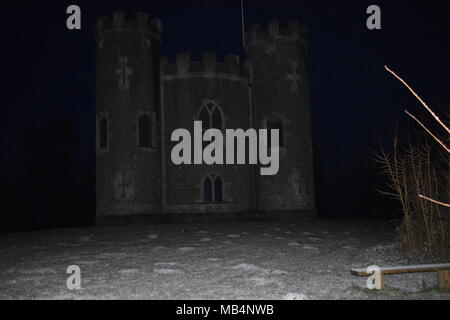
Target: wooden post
{"x": 381, "y": 281}
{"x": 444, "y": 280}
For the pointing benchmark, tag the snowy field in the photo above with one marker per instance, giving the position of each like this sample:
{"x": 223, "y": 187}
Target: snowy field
{"x": 239, "y": 260}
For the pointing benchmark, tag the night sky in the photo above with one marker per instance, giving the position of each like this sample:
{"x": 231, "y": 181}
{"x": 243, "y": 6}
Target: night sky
{"x": 49, "y": 71}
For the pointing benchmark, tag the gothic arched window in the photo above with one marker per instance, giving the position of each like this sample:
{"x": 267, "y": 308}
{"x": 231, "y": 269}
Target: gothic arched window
{"x": 145, "y": 131}
{"x": 212, "y": 189}
{"x": 207, "y": 190}
{"x": 211, "y": 116}
{"x": 216, "y": 119}
{"x": 275, "y": 122}
{"x": 218, "y": 189}
{"x": 103, "y": 133}
{"x": 204, "y": 118}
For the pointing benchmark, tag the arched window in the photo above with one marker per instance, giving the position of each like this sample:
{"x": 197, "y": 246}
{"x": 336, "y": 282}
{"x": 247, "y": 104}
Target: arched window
{"x": 216, "y": 119}
{"x": 204, "y": 118}
{"x": 103, "y": 133}
{"x": 144, "y": 131}
{"x": 207, "y": 190}
{"x": 275, "y": 122}
{"x": 212, "y": 189}
{"x": 218, "y": 189}
{"x": 211, "y": 116}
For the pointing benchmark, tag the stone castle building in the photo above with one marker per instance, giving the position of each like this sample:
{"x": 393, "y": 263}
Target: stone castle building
{"x": 142, "y": 98}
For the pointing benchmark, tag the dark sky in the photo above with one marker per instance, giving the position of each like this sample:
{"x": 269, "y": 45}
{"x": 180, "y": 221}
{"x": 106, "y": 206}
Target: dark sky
{"x": 48, "y": 70}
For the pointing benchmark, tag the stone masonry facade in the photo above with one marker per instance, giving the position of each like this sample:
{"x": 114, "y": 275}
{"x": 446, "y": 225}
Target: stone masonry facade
{"x": 142, "y": 98}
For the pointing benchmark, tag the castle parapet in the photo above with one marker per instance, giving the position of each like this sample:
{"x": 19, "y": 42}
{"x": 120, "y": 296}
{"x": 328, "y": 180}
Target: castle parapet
{"x": 291, "y": 31}
{"x": 142, "y": 23}
{"x": 208, "y": 66}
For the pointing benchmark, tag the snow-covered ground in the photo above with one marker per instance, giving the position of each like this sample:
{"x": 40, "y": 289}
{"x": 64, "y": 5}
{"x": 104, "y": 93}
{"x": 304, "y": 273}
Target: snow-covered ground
{"x": 239, "y": 260}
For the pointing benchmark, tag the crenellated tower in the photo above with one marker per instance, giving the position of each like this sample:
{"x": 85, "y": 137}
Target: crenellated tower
{"x": 128, "y": 99}
{"x": 143, "y": 98}
{"x": 216, "y": 93}
{"x": 277, "y": 57}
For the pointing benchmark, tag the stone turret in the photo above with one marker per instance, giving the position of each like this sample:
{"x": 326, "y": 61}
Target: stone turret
{"x": 277, "y": 59}
{"x": 128, "y": 95}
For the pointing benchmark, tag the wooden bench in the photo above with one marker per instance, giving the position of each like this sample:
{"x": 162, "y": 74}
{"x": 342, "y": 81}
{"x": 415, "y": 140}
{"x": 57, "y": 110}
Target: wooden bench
{"x": 443, "y": 271}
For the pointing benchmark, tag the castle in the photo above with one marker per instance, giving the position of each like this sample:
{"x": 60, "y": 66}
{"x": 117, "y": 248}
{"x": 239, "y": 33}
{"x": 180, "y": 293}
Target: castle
{"x": 142, "y": 98}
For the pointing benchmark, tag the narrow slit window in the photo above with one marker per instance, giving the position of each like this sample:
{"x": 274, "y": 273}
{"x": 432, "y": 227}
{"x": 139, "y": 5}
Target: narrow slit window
{"x": 144, "y": 131}
{"x": 103, "y": 143}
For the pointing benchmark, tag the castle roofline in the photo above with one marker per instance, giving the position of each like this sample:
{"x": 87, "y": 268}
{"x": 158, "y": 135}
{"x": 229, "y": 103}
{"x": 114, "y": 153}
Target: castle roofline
{"x": 292, "y": 30}
{"x": 119, "y": 22}
{"x": 208, "y": 66}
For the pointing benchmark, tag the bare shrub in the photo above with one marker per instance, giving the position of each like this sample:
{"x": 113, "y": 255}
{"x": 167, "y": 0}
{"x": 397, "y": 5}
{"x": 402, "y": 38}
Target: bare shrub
{"x": 418, "y": 176}
{"x": 412, "y": 169}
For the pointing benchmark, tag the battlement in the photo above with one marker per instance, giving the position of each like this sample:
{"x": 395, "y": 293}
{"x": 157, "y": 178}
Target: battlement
{"x": 183, "y": 65}
{"x": 291, "y": 31}
{"x": 119, "y": 22}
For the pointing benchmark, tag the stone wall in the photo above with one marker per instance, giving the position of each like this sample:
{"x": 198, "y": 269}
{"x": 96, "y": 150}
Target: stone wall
{"x": 128, "y": 176}
{"x": 278, "y": 63}
{"x": 187, "y": 87}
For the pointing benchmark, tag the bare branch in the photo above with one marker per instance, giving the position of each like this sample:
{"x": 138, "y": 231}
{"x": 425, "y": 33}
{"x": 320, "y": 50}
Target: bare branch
{"x": 418, "y": 98}
{"x": 429, "y": 132}
{"x": 435, "y": 201}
